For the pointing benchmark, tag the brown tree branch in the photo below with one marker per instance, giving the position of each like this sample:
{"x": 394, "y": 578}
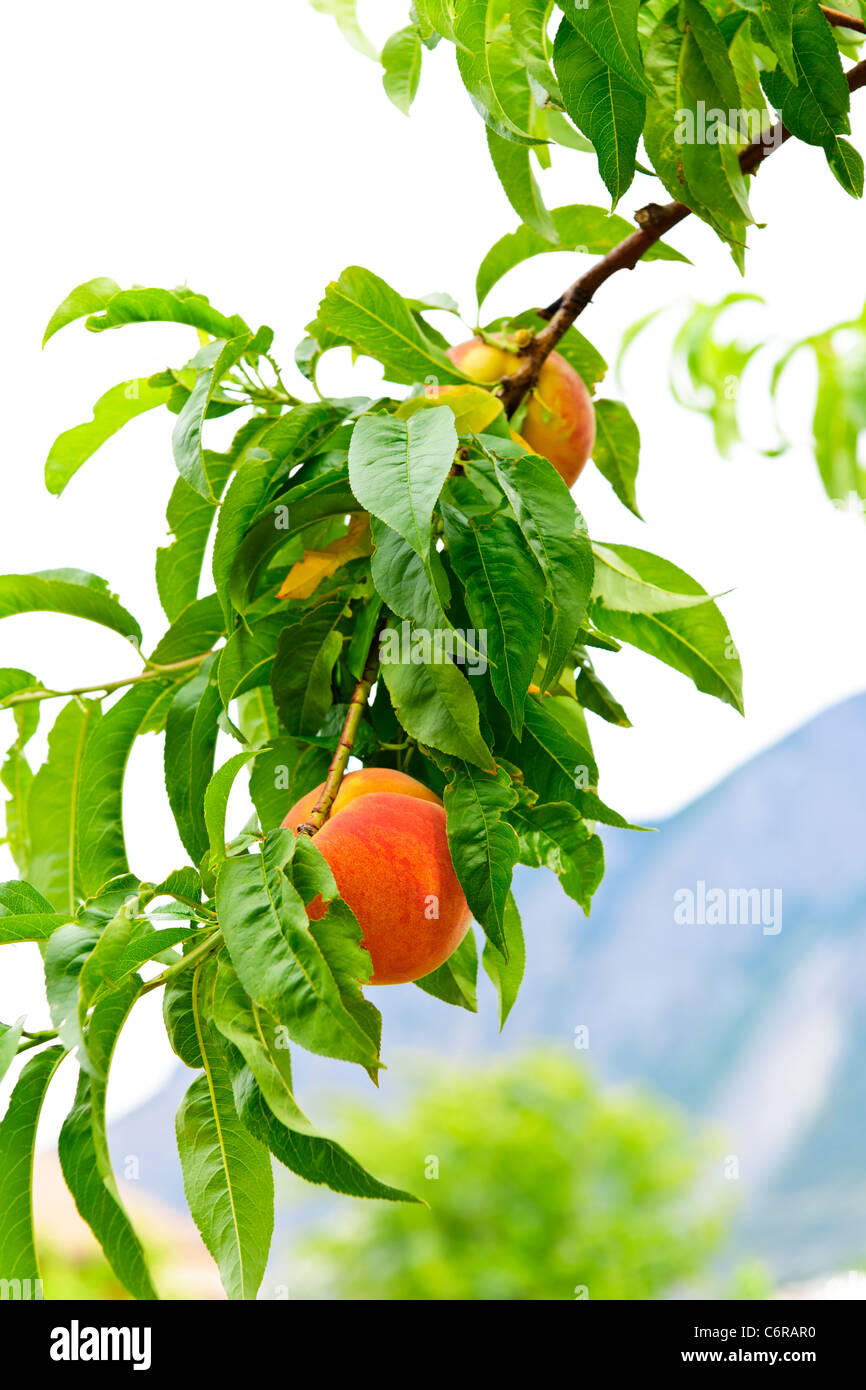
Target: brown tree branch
{"x": 653, "y": 221}
{"x": 842, "y": 20}
{"x": 343, "y": 751}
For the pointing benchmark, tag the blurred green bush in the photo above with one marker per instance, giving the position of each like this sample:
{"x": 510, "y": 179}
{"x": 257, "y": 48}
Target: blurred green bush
{"x": 540, "y": 1186}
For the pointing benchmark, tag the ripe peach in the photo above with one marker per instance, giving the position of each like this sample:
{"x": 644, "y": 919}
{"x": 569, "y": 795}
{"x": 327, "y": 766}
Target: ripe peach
{"x": 559, "y": 422}
{"x": 386, "y": 844}
{"x": 354, "y": 784}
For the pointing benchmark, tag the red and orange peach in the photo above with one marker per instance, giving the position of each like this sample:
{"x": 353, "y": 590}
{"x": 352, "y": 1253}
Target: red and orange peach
{"x": 386, "y": 845}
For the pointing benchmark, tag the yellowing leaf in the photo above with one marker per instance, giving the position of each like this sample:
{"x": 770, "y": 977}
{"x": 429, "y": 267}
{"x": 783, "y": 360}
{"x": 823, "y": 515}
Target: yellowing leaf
{"x": 307, "y": 574}
{"x": 474, "y": 408}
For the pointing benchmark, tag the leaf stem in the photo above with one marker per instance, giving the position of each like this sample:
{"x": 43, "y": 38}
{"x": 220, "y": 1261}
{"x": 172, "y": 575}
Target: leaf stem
{"x": 36, "y": 1039}
{"x": 191, "y": 958}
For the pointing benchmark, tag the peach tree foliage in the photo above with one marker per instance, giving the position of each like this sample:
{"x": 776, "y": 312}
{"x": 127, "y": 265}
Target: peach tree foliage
{"x": 602, "y": 75}
{"x": 430, "y": 519}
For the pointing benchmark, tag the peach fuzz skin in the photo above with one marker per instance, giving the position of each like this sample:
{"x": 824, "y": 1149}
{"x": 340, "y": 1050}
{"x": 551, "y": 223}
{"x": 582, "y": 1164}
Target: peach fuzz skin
{"x": 361, "y": 783}
{"x": 389, "y": 855}
{"x": 560, "y": 420}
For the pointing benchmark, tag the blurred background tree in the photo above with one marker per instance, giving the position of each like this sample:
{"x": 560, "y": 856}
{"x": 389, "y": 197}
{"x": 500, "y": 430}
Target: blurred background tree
{"x": 540, "y": 1185}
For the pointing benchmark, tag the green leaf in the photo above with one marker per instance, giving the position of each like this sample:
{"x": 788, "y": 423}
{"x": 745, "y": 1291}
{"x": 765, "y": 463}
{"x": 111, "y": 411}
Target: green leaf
{"x": 111, "y": 412}
{"x": 815, "y": 107}
{"x": 483, "y": 845}
{"x": 338, "y": 936}
{"x": 25, "y": 915}
{"x": 695, "y": 641}
{"x": 635, "y": 581}
{"x": 714, "y": 52}
{"x": 706, "y": 177}
{"x": 847, "y": 165}
{"x": 278, "y": 961}
{"x": 593, "y": 694}
{"x": 506, "y": 970}
{"x": 514, "y": 169}
{"x": 165, "y": 306}
{"x": 529, "y": 20}
{"x": 76, "y": 592}
{"x": 17, "y": 898}
{"x": 30, "y": 926}
{"x": 578, "y": 227}
{"x": 777, "y": 18}
{"x": 610, "y": 28}
{"x": 244, "y": 500}
{"x": 193, "y": 632}
{"x": 84, "y": 299}
{"x": 553, "y": 530}
{"x": 252, "y": 529}
{"x": 397, "y": 469}
{"x": 227, "y": 1174}
{"x": 150, "y": 946}
{"x": 85, "y": 1160}
{"x": 263, "y": 1043}
{"x": 65, "y": 956}
{"x": 190, "y": 456}
{"x": 605, "y": 107}
{"x": 301, "y": 675}
{"x": 345, "y": 13}
{"x": 437, "y": 15}
{"x": 401, "y": 59}
{"x": 433, "y": 701}
{"x": 490, "y": 68}
{"x": 190, "y": 517}
{"x": 190, "y": 742}
{"x": 566, "y": 742}
{"x": 413, "y": 588}
{"x": 363, "y": 310}
{"x": 504, "y": 591}
{"x": 10, "y": 1036}
{"x": 15, "y": 774}
{"x": 17, "y": 1148}
{"x": 55, "y": 804}
{"x": 100, "y": 850}
{"x": 216, "y": 799}
{"x": 315, "y": 1159}
{"x": 179, "y": 1017}
{"x": 299, "y": 433}
{"x": 617, "y": 450}
{"x": 248, "y": 656}
{"x": 555, "y": 836}
{"x": 281, "y": 775}
{"x": 455, "y": 981}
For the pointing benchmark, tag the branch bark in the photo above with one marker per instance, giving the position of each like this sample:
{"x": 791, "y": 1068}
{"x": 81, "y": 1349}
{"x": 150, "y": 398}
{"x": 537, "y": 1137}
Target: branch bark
{"x": 840, "y": 20}
{"x": 653, "y": 222}
{"x": 343, "y": 752}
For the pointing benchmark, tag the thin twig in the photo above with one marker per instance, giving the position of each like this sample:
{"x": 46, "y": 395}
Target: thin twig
{"x": 154, "y": 672}
{"x": 343, "y": 752}
{"x": 653, "y": 221}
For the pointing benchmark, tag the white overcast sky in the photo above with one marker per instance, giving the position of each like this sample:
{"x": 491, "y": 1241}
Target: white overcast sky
{"x": 249, "y": 152}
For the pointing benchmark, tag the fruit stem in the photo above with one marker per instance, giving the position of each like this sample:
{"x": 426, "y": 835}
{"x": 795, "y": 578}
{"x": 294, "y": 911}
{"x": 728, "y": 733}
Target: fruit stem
{"x": 343, "y": 752}
{"x": 653, "y": 221}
